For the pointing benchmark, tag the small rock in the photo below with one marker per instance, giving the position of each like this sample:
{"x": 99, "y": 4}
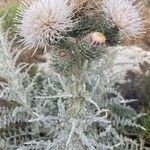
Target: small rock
{"x": 132, "y": 59}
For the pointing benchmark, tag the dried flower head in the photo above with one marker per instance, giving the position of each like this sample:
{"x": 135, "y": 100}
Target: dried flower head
{"x": 44, "y": 22}
{"x": 124, "y": 15}
{"x": 85, "y": 6}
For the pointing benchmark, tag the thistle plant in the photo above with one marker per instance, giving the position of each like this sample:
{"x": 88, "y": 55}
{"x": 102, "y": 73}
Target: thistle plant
{"x": 70, "y": 103}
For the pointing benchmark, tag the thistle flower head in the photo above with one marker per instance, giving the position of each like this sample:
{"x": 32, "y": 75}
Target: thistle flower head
{"x": 124, "y": 15}
{"x": 44, "y": 22}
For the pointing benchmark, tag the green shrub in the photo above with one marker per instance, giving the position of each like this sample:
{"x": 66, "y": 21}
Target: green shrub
{"x": 147, "y": 92}
{"x": 145, "y": 120}
{"x": 9, "y": 13}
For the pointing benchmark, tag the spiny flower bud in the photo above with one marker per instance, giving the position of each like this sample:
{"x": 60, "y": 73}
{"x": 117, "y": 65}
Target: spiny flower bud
{"x": 93, "y": 45}
{"x": 62, "y": 60}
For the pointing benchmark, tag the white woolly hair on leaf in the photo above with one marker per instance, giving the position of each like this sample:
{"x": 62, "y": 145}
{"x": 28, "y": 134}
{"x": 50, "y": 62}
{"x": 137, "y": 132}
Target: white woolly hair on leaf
{"x": 125, "y": 15}
{"x": 44, "y": 22}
